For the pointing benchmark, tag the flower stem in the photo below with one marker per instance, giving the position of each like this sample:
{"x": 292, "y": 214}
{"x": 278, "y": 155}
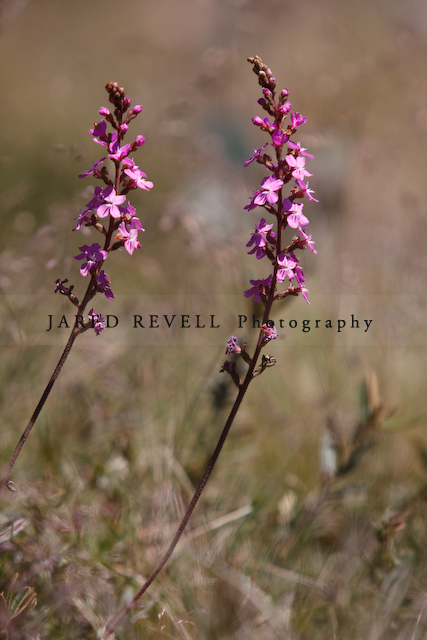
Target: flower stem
{"x": 5, "y": 475}
{"x": 248, "y": 378}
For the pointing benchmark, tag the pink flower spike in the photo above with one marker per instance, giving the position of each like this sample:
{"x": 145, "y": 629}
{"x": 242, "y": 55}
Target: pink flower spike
{"x": 112, "y": 200}
{"x": 298, "y": 165}
{"x": 268, "y": 194}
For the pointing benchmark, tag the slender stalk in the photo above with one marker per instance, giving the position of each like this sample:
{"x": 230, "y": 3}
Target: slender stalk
{"x": 248, "y": 378}
{"x": 5, "y": 475}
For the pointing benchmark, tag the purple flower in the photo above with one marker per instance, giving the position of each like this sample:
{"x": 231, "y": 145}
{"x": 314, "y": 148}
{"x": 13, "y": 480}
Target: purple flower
{"x": 259, "y": 238}
{"x": 103, "y": 285}
{"x": 296, "y": 218}
{"x": 232, "y": 346}
{"x": 255, "y": 290}
{"x": 297, "y": 120}
{"x": 81, "y": 218}
{"x": 129, "y": 238}
{"x": 97, "y": 200}
{"x": 95, "y": 165}
{"x": 60, "y": 285}
{"x": 226, "y": 367}
{"x": 110, "y": 206}
{"x": 287, "y": 265}
{"x": 268, "y": 194}
{"x": 117, "y": 152}
{"x": 99, "y": 132}
{"x": 298, "y": 164}
{"x": 256, "y": 156}
{"x": 97, "y": 320}
{"x": 279, "y": 137}
{"x": 92, "y": 255}
{"x": 252, "y": 204}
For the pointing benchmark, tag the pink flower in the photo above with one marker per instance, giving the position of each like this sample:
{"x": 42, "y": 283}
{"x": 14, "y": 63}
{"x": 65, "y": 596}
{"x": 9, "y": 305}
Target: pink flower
{"x": 308, "y": 241}
{"x": 138, "y": 177}
{"x": 297, "y": 120}
{"x": 287, "y": 265}
{"x": 268, "y": 194}
{"x": 110, "y": 207}
{"x": 303, "y": 291}
{"x": 296, "y": 218}
{"x": 298, "y": 165}
{"x": 117, "y": 152}
{"x": 98, "y": 322}
{"x": 129, "y": 238}
{"x": 301, "y": 151}
{"x": 305, "y": 191}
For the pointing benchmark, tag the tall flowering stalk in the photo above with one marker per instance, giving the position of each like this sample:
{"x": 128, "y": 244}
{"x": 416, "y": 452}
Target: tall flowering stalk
{"x": 286, "y": 170}
{"x": 111, "y": 214}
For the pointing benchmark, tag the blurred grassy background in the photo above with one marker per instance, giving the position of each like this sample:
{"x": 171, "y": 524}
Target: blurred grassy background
{"x": 286, "y": 542}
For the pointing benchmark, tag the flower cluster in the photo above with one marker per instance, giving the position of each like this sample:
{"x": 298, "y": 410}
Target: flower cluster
{"x": 286, "y": 169}
{"x": 109, "y": 211}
